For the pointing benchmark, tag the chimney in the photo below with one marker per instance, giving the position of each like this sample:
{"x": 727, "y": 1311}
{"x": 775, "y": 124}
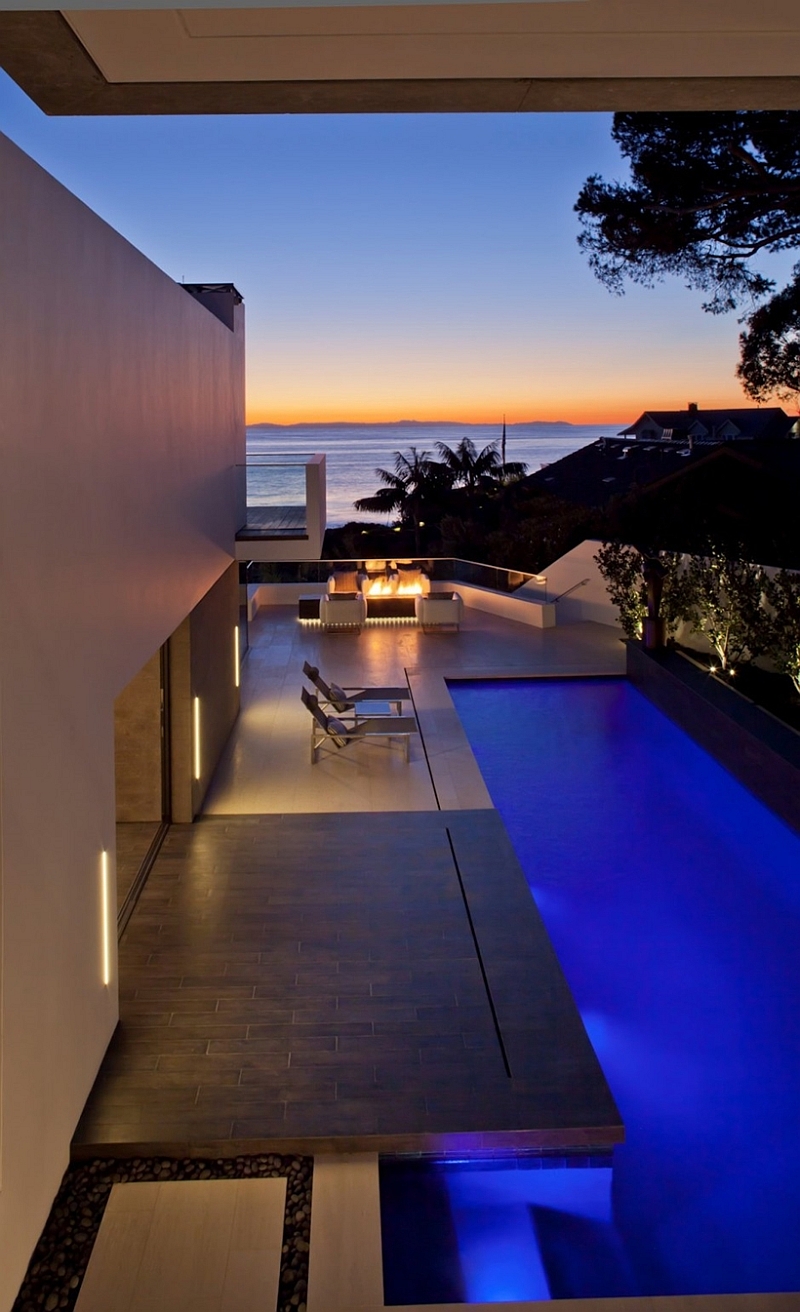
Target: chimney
{"x": 218, "y": 297}
{"x": 692, "y": 407}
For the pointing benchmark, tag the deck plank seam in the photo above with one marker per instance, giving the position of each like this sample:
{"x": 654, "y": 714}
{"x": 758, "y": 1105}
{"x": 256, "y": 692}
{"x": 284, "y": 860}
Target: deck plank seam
{"x": 479, "y": 955}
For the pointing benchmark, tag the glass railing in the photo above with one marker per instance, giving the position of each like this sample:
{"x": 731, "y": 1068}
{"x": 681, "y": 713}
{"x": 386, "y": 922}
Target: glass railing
{"x": 440, "y": 569}
{"x": 275, "y": 496}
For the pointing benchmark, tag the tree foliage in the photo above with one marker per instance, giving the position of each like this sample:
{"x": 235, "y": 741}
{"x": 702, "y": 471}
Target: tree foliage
{"x": 476, "y": 471}
{"x": 782, "y": 594}
{"x": 421, "y": 489}
{"x": 726, "y": 604}
{"x": 412, "y": 489}
{"x": 622, "y": 567}
{"x": 707, "y": 194}
{"x": 770, "y": 348}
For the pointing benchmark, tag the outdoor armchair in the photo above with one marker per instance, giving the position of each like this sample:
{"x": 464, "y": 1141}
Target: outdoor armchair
{"x": 345, "y": 611}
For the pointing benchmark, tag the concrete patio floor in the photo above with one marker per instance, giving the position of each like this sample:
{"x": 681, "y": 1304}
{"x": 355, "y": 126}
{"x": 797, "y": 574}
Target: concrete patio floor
{"x": 266, "y": 767}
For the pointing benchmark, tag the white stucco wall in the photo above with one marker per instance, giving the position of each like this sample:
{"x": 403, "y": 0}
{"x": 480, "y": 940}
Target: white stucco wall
{"x": 121, "y": 421}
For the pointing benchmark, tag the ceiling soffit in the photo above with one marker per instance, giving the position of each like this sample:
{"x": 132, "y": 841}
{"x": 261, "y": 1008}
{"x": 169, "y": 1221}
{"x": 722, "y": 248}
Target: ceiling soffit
{"x": 372, "y": 57}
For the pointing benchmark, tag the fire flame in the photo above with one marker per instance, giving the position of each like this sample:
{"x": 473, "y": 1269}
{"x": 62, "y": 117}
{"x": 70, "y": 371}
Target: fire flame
{"x": 388, "y": 588}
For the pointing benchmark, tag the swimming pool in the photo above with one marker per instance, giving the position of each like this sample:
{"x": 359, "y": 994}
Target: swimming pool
{"x": 672, "y": 897}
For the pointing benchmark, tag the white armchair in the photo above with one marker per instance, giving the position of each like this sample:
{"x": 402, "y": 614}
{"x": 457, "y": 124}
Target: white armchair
{"x": 439, "y": 610}
{"x": 343, "y": 611}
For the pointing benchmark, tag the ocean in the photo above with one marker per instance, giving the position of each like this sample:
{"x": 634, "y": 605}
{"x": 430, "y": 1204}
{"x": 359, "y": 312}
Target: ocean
{"x": 354, "y": 451}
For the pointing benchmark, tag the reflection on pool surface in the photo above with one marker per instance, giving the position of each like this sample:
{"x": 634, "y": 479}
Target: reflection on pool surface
{"x": 672, "y": 897}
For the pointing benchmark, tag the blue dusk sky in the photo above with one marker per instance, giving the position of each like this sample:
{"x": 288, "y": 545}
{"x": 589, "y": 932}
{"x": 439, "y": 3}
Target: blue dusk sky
{"x": 396, "y": 266}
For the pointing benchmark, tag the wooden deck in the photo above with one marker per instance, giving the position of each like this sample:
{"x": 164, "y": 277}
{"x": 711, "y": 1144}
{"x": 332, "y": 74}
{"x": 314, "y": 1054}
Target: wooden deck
{"x": 345, "y": 982}
{"x": 275, "y": 522}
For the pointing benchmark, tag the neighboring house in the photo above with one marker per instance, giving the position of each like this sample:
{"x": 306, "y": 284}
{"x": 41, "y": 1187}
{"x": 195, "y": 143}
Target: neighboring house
{"x": 742, "y": 492}
{"x": 610, "y": 469}
{"x": 696, "y": 425}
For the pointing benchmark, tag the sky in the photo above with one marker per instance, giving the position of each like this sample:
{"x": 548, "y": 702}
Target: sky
{"x": 396, "y": 266}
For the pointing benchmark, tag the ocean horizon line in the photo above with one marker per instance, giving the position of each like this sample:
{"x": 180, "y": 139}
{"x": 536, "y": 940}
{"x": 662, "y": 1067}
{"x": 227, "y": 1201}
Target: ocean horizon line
{"x": 426, "y": 423}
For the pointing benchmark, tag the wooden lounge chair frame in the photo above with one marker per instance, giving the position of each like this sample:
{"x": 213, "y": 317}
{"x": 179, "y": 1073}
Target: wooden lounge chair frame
{"x": 329, "y": 731}
{"x": 328, "y": 697}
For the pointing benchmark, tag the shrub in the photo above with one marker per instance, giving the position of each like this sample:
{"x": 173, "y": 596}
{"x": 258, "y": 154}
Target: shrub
{"x": 724, "y": 601}
{"x": 622, "y": 568}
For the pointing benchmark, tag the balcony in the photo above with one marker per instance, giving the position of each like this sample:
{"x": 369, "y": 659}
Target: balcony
{"x": 282, "y": 507}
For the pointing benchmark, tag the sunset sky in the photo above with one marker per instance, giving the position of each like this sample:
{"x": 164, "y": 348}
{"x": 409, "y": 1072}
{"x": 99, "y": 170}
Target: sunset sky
{"x": 396, "y": 266}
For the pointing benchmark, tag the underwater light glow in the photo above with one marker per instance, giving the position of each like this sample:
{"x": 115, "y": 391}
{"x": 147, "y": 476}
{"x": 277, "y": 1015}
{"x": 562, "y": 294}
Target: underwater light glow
{"x": 671, "y": 896}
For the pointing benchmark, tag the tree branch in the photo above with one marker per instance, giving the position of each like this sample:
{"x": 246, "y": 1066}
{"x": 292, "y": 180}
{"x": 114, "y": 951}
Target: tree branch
{"x": 776, "y": 189}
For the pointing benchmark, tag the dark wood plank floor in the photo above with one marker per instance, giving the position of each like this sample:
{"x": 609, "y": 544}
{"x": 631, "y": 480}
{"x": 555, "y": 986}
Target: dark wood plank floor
{"x": 277, "y": 521}
{"x": 317, "y": 981}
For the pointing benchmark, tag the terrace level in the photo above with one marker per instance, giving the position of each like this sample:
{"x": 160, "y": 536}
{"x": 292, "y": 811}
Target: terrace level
{"x": 333, "y": 958}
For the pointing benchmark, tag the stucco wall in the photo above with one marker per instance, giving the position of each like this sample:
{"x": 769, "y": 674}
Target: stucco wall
{"x": 576, "y": 574}
{"x": 121, "y": 420}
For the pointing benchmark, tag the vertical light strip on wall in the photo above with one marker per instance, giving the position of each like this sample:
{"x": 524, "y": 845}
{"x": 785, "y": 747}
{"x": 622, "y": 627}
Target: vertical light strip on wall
{"x": 105, "y": 901}
{"x": 236, "y": 655}
{"x": 197, "y": 761}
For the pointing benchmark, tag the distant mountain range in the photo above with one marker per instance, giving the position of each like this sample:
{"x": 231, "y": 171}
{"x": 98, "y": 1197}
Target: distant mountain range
{"x": 413, "y": 423}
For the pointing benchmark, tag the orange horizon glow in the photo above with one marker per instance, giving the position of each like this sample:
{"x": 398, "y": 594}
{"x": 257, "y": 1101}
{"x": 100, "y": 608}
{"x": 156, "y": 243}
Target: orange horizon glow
{"x": 622, "y": 411}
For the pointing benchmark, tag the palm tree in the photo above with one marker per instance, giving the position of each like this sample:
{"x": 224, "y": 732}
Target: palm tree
{"x": 478, "y": 471}
{"x": 412, "y": 490}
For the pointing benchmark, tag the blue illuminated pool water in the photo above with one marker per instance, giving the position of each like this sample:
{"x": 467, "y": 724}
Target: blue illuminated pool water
{"x": 672, "y": 898}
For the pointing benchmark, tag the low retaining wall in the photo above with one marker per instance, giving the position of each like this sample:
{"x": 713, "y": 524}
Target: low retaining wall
{"x": 760, "y": 751}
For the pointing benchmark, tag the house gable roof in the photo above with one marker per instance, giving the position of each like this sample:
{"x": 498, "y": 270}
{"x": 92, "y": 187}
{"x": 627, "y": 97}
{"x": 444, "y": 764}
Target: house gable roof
{"x": 750, "y": 422}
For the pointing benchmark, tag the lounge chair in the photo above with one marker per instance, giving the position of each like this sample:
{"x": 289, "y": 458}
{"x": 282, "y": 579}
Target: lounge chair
{"x": 343, "y": 700}
{"x": 328, "y": 730}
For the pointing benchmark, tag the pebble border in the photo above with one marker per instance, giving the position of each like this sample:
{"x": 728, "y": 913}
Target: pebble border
{"x": 59, "y": 1261}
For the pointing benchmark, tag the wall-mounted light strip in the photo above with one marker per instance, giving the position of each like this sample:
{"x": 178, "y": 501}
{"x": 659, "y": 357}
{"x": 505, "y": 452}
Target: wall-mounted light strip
{"x": 196, "y": 725}
{"x": 105, "y": 910}
{"x": 236, "y": 655}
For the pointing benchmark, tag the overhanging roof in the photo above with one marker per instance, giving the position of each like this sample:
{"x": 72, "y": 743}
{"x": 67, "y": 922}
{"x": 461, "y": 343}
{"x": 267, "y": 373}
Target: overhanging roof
{"x": 375, "y": 56}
